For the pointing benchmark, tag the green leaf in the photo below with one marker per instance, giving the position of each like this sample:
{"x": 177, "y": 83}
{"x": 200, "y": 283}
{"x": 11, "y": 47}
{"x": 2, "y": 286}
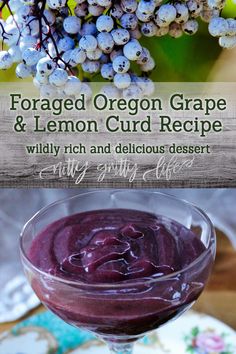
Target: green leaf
{"x": 190, "y": 350}
{"x": 195, "y": 331}
{"x": 230, "y": 9}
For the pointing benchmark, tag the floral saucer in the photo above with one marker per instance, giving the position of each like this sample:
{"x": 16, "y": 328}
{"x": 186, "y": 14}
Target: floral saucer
{"x": 192, "y": 333}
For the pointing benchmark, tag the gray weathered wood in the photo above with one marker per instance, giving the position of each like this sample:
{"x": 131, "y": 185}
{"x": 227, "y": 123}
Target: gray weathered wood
{"x": 218, "y": 169}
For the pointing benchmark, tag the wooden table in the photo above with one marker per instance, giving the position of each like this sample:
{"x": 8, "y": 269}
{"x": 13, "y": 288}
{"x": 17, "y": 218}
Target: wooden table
{"x": 219, "y": 298}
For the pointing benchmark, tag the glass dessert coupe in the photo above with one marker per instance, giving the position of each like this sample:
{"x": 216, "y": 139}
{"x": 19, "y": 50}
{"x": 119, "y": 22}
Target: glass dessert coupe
{"x": 119, "y": 263}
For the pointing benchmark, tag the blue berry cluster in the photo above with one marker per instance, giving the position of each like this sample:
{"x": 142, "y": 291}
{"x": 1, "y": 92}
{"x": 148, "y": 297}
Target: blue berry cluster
{"x": 58, "y": 47}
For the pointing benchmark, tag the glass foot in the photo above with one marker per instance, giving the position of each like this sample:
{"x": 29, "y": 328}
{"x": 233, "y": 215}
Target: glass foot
{"x": 121, "y": 348}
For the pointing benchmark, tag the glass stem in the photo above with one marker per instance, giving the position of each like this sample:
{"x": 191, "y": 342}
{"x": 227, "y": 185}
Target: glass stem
{"x": 121, "y": 348}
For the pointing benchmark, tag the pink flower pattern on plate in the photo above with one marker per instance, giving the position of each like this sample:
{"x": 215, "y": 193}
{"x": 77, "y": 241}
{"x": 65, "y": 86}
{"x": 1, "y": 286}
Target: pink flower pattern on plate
{"x": 206, "y": 342}
{"x": 210, "y": 342}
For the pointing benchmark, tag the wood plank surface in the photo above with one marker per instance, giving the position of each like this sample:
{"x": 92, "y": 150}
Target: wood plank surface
{"x": 219, "y": 297}
{"x": 216, "y": 169}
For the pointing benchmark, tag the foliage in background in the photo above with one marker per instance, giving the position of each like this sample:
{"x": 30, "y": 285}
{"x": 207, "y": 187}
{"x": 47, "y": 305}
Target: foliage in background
{"x": 189, "y": 58}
